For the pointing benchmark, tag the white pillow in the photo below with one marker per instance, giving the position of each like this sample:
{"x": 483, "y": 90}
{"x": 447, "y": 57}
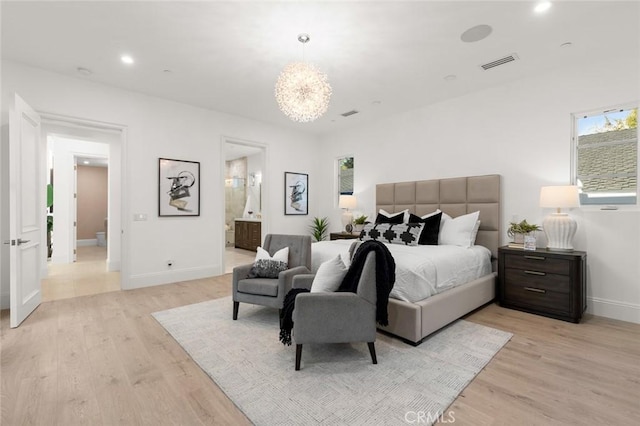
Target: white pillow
{"x": 281, "y": 255}
{"x": 405, "y": 218}
{"x": 329, "y": 276}
{"x": 458, "y": 231}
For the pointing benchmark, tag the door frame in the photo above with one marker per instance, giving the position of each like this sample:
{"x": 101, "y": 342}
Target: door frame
{"x": 71, "y": 127}
{"x": 264, "y": 190}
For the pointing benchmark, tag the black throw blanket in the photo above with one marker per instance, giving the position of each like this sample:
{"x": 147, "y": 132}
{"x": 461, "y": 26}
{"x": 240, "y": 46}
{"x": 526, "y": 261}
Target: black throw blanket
{"x": 385, "y": 276}
{"x": 385, "y": 279}
{"x": 286, "y": 314}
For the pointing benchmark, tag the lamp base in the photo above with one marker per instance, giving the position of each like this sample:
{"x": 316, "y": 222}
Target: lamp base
{"x": 347, "y": 218}
{"x": 560, "y": 229}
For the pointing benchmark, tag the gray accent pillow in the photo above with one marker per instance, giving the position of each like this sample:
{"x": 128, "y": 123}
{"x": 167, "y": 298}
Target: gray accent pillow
{"x": 407, "y": 234}
{"x": 267, "y": 268}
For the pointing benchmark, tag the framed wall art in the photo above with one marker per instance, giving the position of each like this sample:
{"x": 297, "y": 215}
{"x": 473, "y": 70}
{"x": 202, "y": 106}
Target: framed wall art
{"x": 179, "y": 188}
{"x": 296, "y": 193}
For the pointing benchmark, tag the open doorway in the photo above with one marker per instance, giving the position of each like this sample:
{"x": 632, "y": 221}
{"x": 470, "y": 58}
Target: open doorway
{"x": 244, "y": 218}
{"x": 84, "y": 220}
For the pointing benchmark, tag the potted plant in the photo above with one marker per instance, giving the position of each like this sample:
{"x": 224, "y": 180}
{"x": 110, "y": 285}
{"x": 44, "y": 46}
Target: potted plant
{"x": 319, "y": 227}
{"x": 517, "y": 231}
{"x": 358, "y": 223}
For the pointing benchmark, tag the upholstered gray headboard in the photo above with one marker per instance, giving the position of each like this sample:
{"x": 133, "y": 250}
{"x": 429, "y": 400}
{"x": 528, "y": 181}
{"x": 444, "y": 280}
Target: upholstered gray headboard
{"x": 454, "y": 196}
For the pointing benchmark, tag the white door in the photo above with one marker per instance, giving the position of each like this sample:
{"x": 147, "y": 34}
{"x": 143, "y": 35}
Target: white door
{"x": 26, "y": 211}
{"x": 74, "y": 211}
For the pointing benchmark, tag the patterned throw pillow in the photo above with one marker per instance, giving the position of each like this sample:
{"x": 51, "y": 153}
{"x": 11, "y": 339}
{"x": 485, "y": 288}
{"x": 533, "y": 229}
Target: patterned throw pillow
{"x": 267, "y": 268}
{"x": 407, "y": 234}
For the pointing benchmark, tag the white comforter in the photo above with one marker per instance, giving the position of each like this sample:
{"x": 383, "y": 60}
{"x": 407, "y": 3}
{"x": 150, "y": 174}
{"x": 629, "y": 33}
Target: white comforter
{"x": 421, "y": 271}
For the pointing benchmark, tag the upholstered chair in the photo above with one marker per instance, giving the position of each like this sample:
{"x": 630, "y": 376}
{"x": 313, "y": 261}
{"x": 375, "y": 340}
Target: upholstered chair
{"x": 339, "y": 317}
{"x": 271, "y": 291}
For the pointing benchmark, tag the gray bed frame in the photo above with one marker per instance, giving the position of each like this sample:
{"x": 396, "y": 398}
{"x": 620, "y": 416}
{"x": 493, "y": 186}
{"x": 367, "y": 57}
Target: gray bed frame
{"x": 455, "y": 196}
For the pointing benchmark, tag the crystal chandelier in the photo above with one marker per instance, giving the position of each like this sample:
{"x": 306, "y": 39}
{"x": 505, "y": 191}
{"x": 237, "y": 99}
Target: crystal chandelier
{"x": 302, "y": 91}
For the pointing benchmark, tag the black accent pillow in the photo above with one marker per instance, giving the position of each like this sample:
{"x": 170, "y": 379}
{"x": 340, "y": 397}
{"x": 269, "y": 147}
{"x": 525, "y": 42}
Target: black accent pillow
{"x": 395, "y": 219}
{"x": 394, "y": 233}
{"x": 429, "y": 235}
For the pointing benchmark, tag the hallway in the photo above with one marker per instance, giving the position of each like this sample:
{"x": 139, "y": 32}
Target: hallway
{"x": 87, "y": 276}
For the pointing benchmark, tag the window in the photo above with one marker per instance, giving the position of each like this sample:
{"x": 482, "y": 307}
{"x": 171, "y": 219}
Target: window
{"x": 345, "y": 176}
{"x": 605, "y": 156}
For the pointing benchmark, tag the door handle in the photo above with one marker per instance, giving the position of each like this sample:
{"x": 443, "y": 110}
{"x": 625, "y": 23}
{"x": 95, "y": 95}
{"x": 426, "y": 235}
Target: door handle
{"x": 12, "y": 242}
{"x": 21, "y": 241}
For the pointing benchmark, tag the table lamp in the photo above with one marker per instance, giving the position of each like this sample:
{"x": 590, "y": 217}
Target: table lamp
{"x": 559, "y": 227}
{"x": 347, "y": 202}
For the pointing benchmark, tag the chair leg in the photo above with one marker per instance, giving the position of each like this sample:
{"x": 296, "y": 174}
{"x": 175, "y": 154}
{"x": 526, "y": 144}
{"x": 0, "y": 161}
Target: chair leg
{"x": 235, "y": 309}
{"x": 372, "y": 351}
{"x": 298, "y": 356}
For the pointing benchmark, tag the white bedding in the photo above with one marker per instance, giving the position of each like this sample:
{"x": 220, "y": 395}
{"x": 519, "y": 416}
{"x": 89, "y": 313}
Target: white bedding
{"x": 421, "y": 271}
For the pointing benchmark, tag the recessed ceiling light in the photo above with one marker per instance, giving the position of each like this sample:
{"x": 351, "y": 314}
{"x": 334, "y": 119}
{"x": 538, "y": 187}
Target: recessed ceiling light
{"x": 450, "y": 77}
{"x": 541, "y": 7}
{"x": 86, "y": 162}
{"x": 477, "y": 33}
{"x": 126, "y": 59}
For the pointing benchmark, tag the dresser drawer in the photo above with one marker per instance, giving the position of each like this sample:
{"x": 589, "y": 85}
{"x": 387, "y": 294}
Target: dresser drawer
{"x": 537, "y": 298}
{"x": 538, "y": 262}
{"x": 536, "y": 279}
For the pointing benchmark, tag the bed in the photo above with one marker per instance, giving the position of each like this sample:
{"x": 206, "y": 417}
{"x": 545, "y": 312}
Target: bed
{"x": 410, "y": 319}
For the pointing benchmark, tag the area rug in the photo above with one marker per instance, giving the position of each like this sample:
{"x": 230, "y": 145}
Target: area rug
{"x": 337, "y": 384}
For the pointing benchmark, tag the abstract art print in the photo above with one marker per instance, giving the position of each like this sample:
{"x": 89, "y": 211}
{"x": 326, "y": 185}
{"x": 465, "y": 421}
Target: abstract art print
{"x": 179, "y": 183}
{"x": 296, "y": 193}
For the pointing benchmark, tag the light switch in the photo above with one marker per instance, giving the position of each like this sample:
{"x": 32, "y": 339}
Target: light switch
{"x": 139, "y": 217}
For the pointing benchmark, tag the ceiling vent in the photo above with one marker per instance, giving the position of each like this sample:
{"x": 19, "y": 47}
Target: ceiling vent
{"x": 501, "y": 61}
{"x": 348, "y": 113}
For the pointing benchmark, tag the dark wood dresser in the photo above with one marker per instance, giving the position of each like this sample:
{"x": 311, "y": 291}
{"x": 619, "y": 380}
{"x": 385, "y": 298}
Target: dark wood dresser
{"x": 343, "y": 236}
{"x": 543, "y": 282}
{"x": 248, "y": 234}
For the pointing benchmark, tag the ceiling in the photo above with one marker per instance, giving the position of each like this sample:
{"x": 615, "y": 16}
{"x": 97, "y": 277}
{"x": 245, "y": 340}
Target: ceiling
{"x": 381, "y": 58}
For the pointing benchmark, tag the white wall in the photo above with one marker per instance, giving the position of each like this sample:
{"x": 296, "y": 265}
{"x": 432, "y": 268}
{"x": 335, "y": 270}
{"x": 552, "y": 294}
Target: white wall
{"x": 159, "y": 128}
{"x": 254, "y": 166}
{"x": 521, "y": 131}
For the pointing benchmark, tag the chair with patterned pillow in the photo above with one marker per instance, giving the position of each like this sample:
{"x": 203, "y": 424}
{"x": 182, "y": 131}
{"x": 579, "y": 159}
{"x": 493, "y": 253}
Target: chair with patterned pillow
{"x": 267, "y": 281}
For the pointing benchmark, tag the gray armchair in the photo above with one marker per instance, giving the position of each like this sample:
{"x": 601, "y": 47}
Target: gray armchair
{"x": 336, "y": 317}
{"x": 271, "y": 291}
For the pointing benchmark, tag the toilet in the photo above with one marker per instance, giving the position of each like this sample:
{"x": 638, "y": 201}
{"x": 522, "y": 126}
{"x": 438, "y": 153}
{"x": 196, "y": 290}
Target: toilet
{"x": 101, "y": 238}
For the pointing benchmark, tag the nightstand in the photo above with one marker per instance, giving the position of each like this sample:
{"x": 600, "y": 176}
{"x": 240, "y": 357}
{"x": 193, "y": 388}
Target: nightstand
{"x": 543, "y": 282}
{"x": 343, "y": 236}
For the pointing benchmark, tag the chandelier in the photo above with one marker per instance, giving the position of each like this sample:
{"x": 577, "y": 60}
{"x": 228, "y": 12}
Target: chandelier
{"x": 302, "y": 91}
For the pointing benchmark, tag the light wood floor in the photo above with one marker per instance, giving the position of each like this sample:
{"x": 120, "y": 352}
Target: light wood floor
{"x": 103, "y": 359}
{"x": 87, "y": 276}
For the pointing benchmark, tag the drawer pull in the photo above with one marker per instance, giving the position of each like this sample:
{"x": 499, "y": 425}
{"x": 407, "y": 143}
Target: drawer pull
{"x": 542, "y": 274}
{"x": 535, "y": 257}
{"x": 535, "y": 290}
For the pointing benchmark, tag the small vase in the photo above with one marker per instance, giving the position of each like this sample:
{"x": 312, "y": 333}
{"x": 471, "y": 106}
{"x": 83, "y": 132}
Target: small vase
{"x": 358, "y": 228}
{"x": 518, "y": 238}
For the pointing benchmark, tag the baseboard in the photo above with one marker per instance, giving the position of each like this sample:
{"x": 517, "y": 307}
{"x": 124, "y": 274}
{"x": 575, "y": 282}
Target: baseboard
{"x": 113, "y": 265}
{"x": 170, "y": 276}
{"x": 629, "y": 312}
{"x": 83, "y": 243}
{"x": 5, "y": 303}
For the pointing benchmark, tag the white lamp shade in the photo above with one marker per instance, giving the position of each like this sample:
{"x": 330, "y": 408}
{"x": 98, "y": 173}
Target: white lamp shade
{"x": 558, "y": 197}
{"x": 347, "y": 202}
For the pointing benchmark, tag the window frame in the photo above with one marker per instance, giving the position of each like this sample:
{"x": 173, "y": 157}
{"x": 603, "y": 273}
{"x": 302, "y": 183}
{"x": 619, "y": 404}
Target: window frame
{"x": 585, "y": 199}
{"x": 338, "y": 177}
